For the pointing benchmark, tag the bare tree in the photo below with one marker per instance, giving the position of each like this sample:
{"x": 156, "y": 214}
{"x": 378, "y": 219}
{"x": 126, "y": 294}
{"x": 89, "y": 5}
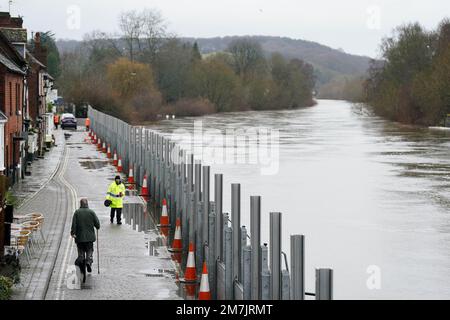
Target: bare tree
{"x": 101, "y": 44}
{"x": 247, "y": 55}
{"x": 154, "y": 31}
{"x": 131, "y": 25}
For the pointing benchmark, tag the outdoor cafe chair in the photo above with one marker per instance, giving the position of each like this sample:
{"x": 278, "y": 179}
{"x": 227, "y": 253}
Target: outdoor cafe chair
{"x": 39, "y": 217}
{"x": 32, "y": 226}
{"x": 20, "y": 240}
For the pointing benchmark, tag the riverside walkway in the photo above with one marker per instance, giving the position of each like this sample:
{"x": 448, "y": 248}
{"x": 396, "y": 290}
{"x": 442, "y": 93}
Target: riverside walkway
{"x": 75, "y": 170}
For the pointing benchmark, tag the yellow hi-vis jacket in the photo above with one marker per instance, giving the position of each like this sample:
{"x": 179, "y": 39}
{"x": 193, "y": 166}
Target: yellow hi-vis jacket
{"x": 113, "y": 194}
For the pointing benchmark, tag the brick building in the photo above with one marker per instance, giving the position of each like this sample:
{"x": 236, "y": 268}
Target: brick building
{"x": 13, "y": 69}
{"x": 24, "y": 84}
{"x": 12, "y": 29}
{"x": 39, "y": 83}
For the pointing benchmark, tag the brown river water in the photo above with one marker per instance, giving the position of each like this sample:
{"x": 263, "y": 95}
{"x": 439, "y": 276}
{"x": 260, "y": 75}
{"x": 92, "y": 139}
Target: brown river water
{"x": 372, "y": 197}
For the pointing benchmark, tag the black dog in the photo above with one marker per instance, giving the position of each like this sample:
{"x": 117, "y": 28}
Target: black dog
{"x": 81, "y": 263}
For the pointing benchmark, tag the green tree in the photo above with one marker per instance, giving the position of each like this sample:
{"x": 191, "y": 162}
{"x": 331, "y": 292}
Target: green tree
{"x": 174, "y": 63}
{"x": 413, "y": 83}
{"x": 134, "y": 89}
{"x": 214, "y": 80}
{"x": 196, "y": 55}
{"x": 409, "y": 51}
{"x": 262, "y": 94}
{"x": 127, "y": 78}
{"x": 248, "y": 57}
{"x": 53, "y": 62}
{"x": 294, "y": 80}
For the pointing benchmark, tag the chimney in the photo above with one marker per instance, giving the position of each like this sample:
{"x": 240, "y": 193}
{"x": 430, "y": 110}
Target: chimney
{"x": 40, "y": 52}
{"x": 6, "y": 21}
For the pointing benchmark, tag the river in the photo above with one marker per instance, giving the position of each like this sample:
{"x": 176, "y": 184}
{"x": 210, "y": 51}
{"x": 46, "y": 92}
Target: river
{"x": 372, "y": 197}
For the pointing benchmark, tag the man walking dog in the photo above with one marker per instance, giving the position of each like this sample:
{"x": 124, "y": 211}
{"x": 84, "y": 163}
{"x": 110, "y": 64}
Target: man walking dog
{"x": 116, "y": 193}
{"x": 84, "y": 223}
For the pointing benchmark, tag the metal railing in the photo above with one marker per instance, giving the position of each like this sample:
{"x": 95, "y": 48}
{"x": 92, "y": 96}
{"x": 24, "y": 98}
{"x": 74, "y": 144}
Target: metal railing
{"x": 236, "y": 270}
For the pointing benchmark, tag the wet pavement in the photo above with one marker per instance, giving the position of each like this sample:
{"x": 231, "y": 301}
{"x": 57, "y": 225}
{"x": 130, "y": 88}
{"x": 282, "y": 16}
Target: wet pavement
{"x": 42, "y": 171}
{"x": 129, "y": 269}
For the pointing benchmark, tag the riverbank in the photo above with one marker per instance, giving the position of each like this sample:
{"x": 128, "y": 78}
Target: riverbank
{"x": 169, "y": 115}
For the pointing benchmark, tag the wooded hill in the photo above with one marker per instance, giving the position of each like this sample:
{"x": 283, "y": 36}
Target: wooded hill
{"x": 329, "y": 64}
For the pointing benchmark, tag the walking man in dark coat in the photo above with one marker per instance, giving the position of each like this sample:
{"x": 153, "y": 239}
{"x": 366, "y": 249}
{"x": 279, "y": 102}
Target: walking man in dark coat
{"x": 83, "y": 223}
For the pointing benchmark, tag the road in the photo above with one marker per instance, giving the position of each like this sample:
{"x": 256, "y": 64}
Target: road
{"x": 125, "y": 265}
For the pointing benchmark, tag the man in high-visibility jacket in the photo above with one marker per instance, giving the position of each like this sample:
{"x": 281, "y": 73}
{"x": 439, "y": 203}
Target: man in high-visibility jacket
{"x": 116, "y": 193}
{"x": 87, "y": 124}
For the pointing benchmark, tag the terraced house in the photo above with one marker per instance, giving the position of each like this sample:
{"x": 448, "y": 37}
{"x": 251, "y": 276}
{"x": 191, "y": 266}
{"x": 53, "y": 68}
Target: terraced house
{"x": 39, "y": 85}
{"x": 13, "y": 71}
{"x": 24, "y": 83}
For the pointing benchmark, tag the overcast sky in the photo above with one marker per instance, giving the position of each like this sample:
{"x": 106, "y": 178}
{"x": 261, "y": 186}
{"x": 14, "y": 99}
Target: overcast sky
{"x": 356, "y": 26}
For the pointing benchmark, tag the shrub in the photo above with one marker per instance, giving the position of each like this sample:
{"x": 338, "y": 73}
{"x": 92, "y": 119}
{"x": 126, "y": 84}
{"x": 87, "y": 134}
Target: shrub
{"x": 412, "y": 83}
{"x": 11, "y": 199}
{"x": 5, "y": 288}
{"x": 144, "y": 106}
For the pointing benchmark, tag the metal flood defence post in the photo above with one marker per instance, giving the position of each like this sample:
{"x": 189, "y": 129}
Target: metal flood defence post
{"x": 229, "y": 283}
{"x": 212, "y": 253}
{"x": 286, "y": 286}
{"x": 190, "y": 207}
{"x": 205, "y": 201}
{"x": 275, "y": 255}
{"x": 255, "y": 242}
{"x": 236, "y": 225}
{"x": 246, "y": 272}
{"x": 297, "y": 267}
{"x": 266, "y": 293}
{"x": 243, "y": 246}
{"x": 324, "y": 284}
{"x": 197, "y": 213}
{"x": 218, "y": 210}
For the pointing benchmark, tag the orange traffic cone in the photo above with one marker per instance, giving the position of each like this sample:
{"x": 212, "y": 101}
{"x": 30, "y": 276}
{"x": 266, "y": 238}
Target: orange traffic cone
{"x": 164, "y": 220}
{"x": 144, "y": 192}
{"x": 164, "y": 231}
{"x": 177, "y": 257}
{"x": 177, "y": 244}
{"x": 131, "y": 179}
{"x": 119, "y": 165}
{"x": 115, "y": 160}
{"x": 94, "y": 138}
{"x": 104, "y": 149}
{"x": 204, "y": 293}
{"x": 108, "y": 154}
{"x": 190, "y": 275}
{"x": 191, "y": 290}
{"x": 99, "y": 144}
